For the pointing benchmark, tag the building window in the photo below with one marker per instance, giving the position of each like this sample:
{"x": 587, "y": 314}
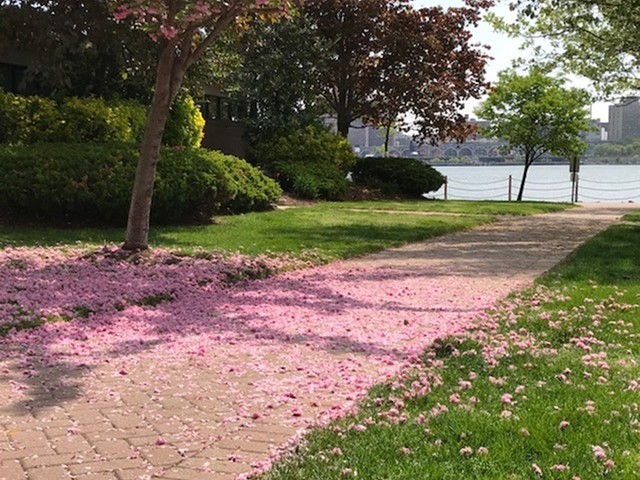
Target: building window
{"x": 11, "y": 77}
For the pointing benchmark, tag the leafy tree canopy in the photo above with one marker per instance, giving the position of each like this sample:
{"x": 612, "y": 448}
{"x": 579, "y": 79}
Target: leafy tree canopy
{"x": 598, "y": 39}
{"x": 535, "y": 114}
{"x": 386, "y": 59}
{"x": 280, "y": 64}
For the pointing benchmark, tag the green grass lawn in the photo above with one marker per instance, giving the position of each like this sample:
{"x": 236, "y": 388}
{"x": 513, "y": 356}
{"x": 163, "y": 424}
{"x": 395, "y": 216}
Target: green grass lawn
{"x": 334, "y": 230}
{"x": 632, "y": 217}
{"x": 548, "y": 387}
{"x": 456, "y": 206}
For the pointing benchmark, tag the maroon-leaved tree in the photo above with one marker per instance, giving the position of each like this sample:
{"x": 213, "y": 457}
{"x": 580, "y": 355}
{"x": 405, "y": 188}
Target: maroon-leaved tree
{"x": 388, "y": 59}
{"x": 184, "y": 29}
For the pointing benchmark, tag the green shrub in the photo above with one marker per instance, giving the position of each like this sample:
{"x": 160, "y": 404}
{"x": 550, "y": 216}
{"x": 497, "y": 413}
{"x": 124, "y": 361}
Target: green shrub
{"x": 311, "y": 180}
{"x": 28, "y": 120}
{"x": 310, "y": 163}
{"x": 91, "y": 120}
{"x": 135, "y": 116}
{"x": 185, "y": 126}
{"x": 397, "y": 176}
{"x": 41, "y": 120}
{"x": 90, "y": 183}
{"x": 11, "y": 111}
{"x": 248, "y": 188}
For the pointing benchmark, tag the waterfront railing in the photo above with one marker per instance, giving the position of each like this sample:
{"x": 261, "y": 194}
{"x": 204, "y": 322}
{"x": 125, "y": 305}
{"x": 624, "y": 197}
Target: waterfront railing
{"x": 578, "y": 190}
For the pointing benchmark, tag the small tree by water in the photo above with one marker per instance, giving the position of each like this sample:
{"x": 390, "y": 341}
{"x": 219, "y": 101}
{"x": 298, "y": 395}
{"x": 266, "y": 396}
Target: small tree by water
{"x": 536, "y": 115}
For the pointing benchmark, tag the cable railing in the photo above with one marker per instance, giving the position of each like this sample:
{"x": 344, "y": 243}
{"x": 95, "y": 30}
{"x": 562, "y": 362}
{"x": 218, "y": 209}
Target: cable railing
{"x": 575, "y": 190}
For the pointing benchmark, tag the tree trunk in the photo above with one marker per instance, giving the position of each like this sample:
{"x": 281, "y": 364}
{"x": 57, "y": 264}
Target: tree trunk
{"x": 387, "y": 134}
{"x": 137, "y": 235}
{"x": 343, "y": 124}
{"x": 527, "y": 164}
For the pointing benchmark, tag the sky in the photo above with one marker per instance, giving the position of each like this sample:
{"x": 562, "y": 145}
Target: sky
{"x": 504, "y": 50}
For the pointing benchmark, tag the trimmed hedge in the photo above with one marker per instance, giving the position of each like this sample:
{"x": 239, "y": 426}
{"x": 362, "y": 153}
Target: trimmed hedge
{"x": 311, "y": 163}
{"x": 397, "y": 176}
{"x": 28, "y": 120}
{"x": 90, "y": 183}
{"x": 311, "y": 180}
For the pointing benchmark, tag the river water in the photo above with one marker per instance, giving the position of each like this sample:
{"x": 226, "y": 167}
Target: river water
{"x": 596, "y": 183}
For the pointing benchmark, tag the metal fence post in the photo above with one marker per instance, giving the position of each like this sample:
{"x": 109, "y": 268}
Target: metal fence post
{"x": 510, "y": 186}
{"x": 446, "y": 187}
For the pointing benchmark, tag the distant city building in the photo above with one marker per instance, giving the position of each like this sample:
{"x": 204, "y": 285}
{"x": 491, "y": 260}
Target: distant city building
{"x": 369, "y": 141}
{"x": 624, "y": 119}
{"x": 596, "y": 135}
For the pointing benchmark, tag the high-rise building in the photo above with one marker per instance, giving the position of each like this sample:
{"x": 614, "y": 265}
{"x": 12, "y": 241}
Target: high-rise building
{"x": 624, "y": 119}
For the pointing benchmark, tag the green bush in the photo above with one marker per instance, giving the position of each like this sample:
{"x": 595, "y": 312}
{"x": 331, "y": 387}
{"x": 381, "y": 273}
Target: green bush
{"x": 28, "y": 120}
{"x": 248, "y": 188}
{"x": 397, "y": 176}
{"x": 310, "y": 163}
{"x": 90, "y": 183}
{"x": 84, "y": 120}
{"x": 12, "y": 110}
{"x": 185, "y": 126}
{"x": 311, "y": 180}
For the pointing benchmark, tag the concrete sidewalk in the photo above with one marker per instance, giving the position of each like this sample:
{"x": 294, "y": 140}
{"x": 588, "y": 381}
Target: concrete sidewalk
{"x": 224, "y": 412}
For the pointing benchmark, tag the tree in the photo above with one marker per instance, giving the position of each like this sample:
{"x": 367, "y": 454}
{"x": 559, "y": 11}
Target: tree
{"x": 183, "y": 30}
{"x": 387, "y": 58}
{"x": 278, "y": 75}
{"x": 535, "y": 114}
{"x": 598, "y": 39}
{"x": 429, "y": 69}
{"x": 77, "y": 49}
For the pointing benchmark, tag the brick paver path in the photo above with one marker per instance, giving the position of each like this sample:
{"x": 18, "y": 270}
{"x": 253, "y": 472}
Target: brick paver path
{"x": 212, "y": 415}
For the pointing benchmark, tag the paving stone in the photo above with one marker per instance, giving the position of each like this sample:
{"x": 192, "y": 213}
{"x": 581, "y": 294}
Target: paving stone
{"x": 138, "y": 473}
{"x": 114, "y": 448}
{"x": 147, "y": 440}
{"x": 264, "y": 437}
{"x": 114, "y": 434}
{"x": 84, "y": 416}
{"x": 11, "y": 470}
{"x": 125, "y": 421}
{"x": 28, "y": 438}
{"x": 49, "y": 473}
{"x": 276, "y": 429}
{"x": 106, "y": 466}
{"x": 72, "y": 444}
{"x": 162, "y": 455}
{"x": 48, "y": 460}
{"x": 136, "y": 399}
{"x": 167, "y": 426}
{"x": 97, "y": 476}
{"x": 26, "y": 453}
{"x": 185, "y": 474}
{"x": 243, "y": 446}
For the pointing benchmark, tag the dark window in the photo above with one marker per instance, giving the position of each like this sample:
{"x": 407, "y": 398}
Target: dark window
{"x": 11, "y": 77}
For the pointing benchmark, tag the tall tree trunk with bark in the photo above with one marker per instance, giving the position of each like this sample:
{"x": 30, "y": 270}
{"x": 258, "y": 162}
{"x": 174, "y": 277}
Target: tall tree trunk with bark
{"x": 344, "y": 123}
{"x": 527, "y": 164}
{"x": 137, "y": 235}
{"x": 387, "y": 135}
